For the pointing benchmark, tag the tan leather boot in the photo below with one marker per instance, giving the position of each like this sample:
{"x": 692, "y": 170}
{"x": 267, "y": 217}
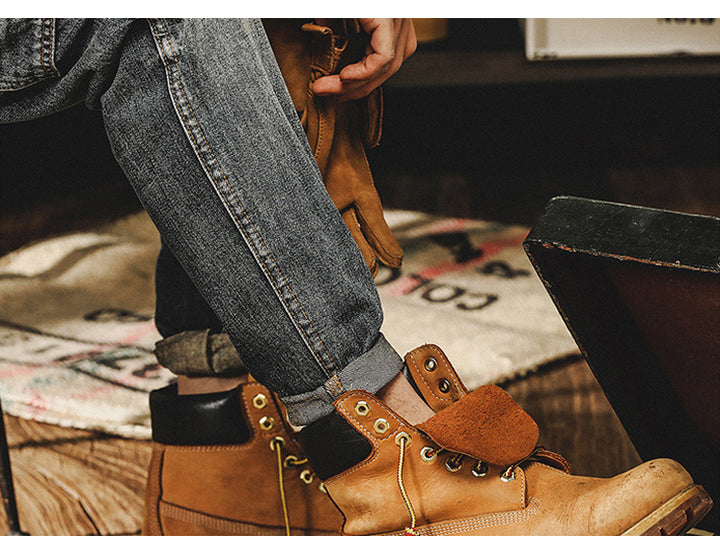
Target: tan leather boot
{"x": 227, "y": 464}
{"x": 475, "y": 469}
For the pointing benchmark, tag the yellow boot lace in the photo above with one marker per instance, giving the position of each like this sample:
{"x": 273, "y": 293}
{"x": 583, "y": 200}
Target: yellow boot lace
{"x": 403, "y": 439}
{"x": 276, "y": 444}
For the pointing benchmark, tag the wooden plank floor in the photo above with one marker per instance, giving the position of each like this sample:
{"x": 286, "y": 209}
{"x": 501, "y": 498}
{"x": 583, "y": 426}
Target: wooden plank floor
{"x": 73, "y": 482}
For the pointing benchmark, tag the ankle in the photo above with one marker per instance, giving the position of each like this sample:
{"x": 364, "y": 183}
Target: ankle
{"x": 400, "y": 396}
{"x": 205, "y": 385}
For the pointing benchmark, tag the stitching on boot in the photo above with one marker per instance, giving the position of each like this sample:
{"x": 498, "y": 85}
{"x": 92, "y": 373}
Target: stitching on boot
{"x": 481, "y": 522}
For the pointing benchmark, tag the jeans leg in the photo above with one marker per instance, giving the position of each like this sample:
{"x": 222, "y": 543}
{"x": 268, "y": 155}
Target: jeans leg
{"x": 194, "y": 343}
{"x": 200, "y": 120}
{"x": 179, "y": 306}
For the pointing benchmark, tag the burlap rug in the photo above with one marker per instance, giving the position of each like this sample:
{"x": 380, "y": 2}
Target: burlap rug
{"x": 76, "y": 328}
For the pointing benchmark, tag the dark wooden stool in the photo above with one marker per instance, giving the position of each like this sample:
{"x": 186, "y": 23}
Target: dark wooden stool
{"x": 7, "y": 490}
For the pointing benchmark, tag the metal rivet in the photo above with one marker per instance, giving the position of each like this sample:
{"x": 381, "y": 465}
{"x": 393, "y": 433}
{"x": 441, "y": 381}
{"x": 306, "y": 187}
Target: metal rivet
{"x": 444, "y": 385}
{"x": 306, "y": 476}
{"x": 450, "y": 466}
{"x": 260, "y": 401}
{"x": 401, "y": 435}
{"x": 362, "y": 408}
{"x": 276, "y": 441}
{"x": 480, "y": 469}
{"x": 381, "y": 426}
{"x": 428, "y": 454}
{"x": 267, "y": 423}
{"x": 431, "y": 364}
{"x": 507, "y": 475}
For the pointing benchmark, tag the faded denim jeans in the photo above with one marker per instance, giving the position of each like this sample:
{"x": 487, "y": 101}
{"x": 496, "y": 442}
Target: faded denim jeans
{"x": 199, "y": 118}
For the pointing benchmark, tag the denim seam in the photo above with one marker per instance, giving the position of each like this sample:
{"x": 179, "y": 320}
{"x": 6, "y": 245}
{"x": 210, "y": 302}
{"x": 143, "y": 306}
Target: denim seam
{"x": 247, "y": 229}
{"x": 47, "y": 36}
{"x": 42, "y": 44}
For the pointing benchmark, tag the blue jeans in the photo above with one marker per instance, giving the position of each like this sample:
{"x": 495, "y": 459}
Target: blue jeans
{"x": 199, "y": 118}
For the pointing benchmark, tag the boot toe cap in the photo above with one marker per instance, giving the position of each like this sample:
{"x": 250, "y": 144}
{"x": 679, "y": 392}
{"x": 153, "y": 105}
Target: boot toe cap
{"x": 633, "y": 495}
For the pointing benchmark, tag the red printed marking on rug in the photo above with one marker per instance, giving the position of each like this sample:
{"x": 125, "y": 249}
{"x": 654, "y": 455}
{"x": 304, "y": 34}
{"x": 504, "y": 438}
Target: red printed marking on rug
{"x": 444, "y": 226}
{"x": 15, "y": 370}
{"x": 407, "y": 283}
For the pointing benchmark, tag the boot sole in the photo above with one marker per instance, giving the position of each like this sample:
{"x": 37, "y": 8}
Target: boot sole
{"x": 213, "y": 525}
{"x": 677, "y": 516}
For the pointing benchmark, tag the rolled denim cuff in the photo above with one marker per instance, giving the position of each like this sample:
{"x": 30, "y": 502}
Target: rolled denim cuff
{"x": 200, "y": 354}
{"x": 370, "y": 372}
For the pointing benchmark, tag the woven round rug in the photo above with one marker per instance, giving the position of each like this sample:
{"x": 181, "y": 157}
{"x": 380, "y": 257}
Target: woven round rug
{"x": 77, "y": 331}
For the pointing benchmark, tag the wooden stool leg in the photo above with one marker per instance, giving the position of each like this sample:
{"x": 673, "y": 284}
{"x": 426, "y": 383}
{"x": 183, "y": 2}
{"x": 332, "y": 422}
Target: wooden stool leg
{"x": 7, "y": 491}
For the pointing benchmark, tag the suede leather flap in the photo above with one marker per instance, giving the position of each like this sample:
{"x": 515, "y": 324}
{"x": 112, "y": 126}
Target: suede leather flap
{"x": 486, "y": 425}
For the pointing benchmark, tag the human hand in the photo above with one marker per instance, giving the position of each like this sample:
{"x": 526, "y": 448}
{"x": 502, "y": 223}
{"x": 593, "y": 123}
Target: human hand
{"x": 392, "y": 41}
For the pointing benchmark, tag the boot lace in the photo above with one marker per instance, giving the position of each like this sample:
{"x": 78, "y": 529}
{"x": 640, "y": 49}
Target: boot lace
{"x": 402, "y": 440}
{"x": 453, "y": 463}
{"x": 276, "y": 445}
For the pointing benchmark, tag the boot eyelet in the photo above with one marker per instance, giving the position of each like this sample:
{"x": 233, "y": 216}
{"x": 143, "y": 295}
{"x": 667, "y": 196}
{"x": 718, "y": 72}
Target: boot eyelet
{"x": 451, "y": 466}
{"x": 381, "y": 426}
{"x": 289, "y": 460}
{"x": 431, "y": 364}
{"x": 267, "y": 423}
{"x": 306, "y": 476}
{"x": 508, "y": 475}
{"x": 322, "y": 488}
{"x": 401, "y": 435}
{"x": 362, "y": 408}
{"x": 428, "y": 454}
{"x": 480, "y": 469}
{"x": 260, "y": 401}
{"x": 444, "y": 385}
{"x": 275, "y": 442}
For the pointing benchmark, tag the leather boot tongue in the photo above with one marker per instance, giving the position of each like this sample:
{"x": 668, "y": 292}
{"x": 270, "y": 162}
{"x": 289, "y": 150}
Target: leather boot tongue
{"x": 486, "y": 425}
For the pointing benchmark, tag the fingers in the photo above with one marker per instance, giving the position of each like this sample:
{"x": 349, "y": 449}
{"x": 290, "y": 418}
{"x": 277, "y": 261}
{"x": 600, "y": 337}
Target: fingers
{"x": 384, "y": 38}
{"x": 391, "y": 42}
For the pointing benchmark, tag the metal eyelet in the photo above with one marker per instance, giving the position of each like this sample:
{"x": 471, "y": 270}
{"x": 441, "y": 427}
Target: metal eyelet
{"x": 277, "y": 441}
{"x": 428, "y": 454}
{"x": 480, "y": 469}
{"x": 267, "y": 423}
{"x": 381, "y": 426}
{"x": 306, "y": 476}
{"x": 322, "y": 488}
{"x": 289, "y": 460}
{"x": 431, "y": 364}
{"x": 444, "y": 385}
{"x": 362, "y": 408}
{"x": 403, "y": 434}
{"x": 260, "y": 401}
{"x": 508, "y": 475}
{"x": 451, "y": 467}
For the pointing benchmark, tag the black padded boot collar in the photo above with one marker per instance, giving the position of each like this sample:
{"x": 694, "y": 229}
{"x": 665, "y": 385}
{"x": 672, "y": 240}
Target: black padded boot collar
{"x": 332, "y": 445}
{"x": 198, "y": 419}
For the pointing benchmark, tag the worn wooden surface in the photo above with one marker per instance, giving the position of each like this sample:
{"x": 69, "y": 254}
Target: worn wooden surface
{"x": 72, "y": 482}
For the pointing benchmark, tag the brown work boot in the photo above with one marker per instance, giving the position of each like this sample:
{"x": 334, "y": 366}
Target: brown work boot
{"x": 475, "y": 468}
{"x": 227, "y": 464}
